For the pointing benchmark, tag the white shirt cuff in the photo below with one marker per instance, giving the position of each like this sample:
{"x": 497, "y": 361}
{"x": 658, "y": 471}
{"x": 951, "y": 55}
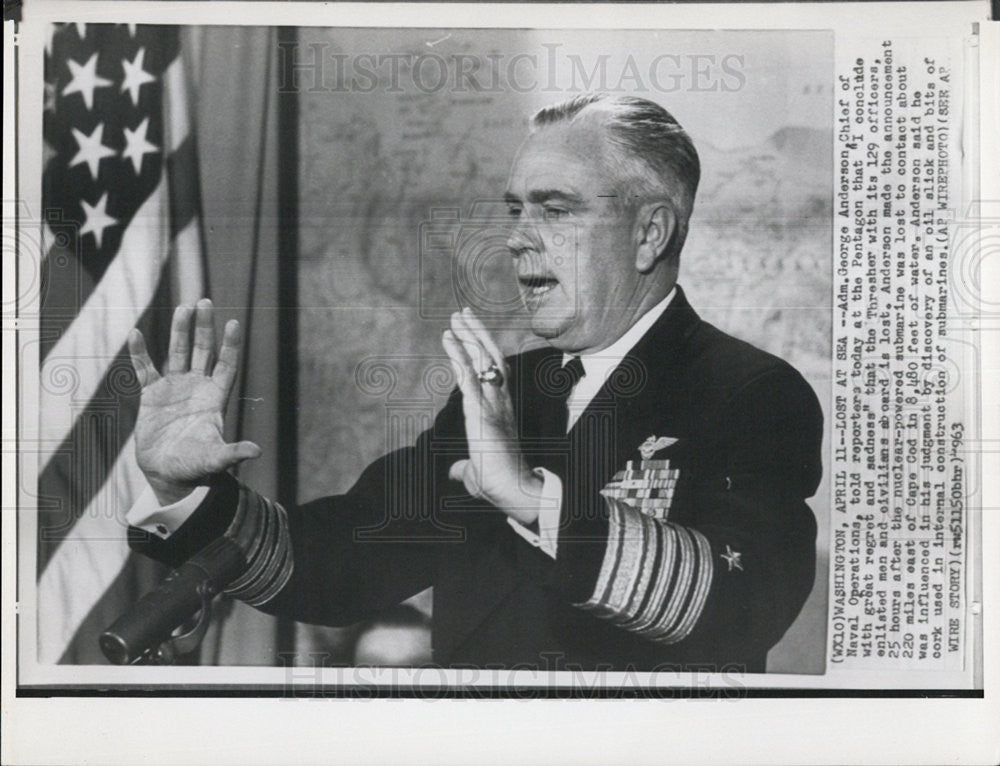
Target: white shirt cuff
{"x": 147, "y": 514}
{"x": 549, "y": 509}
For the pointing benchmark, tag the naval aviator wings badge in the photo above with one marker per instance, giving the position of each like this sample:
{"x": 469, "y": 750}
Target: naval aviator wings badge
{"x": 648, "y": 484}
{"x": 652, "y": 445}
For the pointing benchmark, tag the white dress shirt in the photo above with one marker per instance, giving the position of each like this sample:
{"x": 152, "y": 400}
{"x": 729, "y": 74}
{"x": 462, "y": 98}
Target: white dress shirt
{"x": 147, "y": 514}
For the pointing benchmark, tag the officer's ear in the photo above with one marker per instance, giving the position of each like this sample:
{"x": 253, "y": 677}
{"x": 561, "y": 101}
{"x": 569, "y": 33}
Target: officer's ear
{"x": 655, "y": 226}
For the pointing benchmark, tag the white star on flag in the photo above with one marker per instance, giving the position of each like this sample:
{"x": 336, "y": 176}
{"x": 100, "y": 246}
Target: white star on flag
{"x": 92, "y": 151}
{"x": 137, "y": 146}
{"x": 85, "y": 80}
{"x": 131, "y": 29}
{"x": 81, "y": 29}
{"x": 97, "y": 218}
{"x": 135, "y": 76}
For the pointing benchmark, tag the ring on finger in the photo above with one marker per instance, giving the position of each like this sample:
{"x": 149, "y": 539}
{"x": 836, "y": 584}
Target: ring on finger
{"x": 491, "y": 375}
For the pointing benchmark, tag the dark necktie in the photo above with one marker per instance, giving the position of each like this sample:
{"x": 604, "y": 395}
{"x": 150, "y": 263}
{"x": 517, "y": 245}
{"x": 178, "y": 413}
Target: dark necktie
{"x": 570, "y": 373}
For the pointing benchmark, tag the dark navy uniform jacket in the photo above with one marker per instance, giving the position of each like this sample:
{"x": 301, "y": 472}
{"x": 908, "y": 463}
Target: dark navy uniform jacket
{"x": 685, "y": 539}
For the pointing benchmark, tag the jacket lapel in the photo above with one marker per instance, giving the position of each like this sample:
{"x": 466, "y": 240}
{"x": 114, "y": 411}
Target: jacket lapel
{"x": 643, "y": 383}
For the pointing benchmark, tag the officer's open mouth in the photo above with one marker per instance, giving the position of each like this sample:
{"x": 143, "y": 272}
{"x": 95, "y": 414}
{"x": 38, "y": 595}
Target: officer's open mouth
{"x": 538, "y": 285}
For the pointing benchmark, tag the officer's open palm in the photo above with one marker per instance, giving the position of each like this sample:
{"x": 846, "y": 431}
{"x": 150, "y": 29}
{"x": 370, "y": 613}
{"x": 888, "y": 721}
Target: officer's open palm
{"x": 496, "y": 470}
{"x": 178, "y": 433}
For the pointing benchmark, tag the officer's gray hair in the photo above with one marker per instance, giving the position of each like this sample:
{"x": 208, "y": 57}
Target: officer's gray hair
{"x": 654, "y": 158}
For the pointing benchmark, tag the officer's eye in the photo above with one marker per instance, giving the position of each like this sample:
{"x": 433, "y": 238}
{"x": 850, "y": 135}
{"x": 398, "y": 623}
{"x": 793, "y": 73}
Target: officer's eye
{"x": 554, "y": 213}
{"x": 514, "y": 211}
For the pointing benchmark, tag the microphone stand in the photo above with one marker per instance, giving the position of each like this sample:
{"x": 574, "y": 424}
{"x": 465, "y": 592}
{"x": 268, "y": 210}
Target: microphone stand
{"x": 168, "y": 651}
{"x": 145, "y": 634}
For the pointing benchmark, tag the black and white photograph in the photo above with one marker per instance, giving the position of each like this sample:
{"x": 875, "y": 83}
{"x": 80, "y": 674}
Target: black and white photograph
{"x": 517, "y": 440}
{"x": 452, "y": 353}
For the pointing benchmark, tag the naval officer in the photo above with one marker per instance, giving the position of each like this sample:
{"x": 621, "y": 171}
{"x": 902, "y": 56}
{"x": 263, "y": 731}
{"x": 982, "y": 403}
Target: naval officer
{"x": 631, "y": 496}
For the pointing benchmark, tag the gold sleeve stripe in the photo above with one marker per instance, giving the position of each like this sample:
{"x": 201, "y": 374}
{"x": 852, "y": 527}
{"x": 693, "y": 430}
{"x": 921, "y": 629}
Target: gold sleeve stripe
{"x": 257, "y": 546}
{"x": 260, "y": 528}
{"x": 679, "y": 592}
{"x": 663, "y": 574}
{"x": 655, "y": 575}
{"x": 629, "y": 565}
{"x": 702, "y": 586}
{"x": 612, "y": 554}
{"x": 651, "y": 554}
{"x": 677, "y": 623}
{"x": 277, "y": 569}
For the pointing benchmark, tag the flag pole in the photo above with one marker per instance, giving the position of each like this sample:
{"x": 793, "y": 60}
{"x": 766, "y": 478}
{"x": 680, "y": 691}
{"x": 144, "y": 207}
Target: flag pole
{"x": 263, "y": 149}
{"x": 288, "y": 251}
{"x": 212, "y": 655}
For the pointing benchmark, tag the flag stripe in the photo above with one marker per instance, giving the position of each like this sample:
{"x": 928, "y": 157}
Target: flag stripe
{"x": 177, "y": 121}
{"x": 137, "y": 576}
{"x": 188, "y": 272}
{"x": 65, "y": 286}
{"x": 185, "y": 204}
{"x": 89, "y": 558}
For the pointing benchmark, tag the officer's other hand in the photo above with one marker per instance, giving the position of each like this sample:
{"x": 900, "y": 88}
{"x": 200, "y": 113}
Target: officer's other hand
{"x": 178, "y": 433}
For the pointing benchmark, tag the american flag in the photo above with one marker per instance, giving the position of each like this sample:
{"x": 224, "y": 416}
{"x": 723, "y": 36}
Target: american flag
{"x": 122, "y": 242}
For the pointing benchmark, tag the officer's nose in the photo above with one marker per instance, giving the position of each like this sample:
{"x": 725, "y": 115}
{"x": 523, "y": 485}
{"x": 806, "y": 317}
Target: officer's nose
{"x": 519, "y": 240}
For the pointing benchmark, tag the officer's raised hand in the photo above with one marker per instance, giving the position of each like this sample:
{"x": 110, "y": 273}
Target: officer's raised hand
{"x": 178, "y": 434}
{"x": 496, "y": 470}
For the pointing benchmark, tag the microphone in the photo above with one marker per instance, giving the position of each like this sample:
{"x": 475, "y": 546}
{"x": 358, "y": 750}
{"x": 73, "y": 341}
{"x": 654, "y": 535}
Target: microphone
{"x": 187, "y": 589}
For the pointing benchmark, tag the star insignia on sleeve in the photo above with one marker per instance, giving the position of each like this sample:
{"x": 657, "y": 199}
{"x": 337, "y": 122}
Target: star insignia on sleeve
{"x": 733, "y": 558}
